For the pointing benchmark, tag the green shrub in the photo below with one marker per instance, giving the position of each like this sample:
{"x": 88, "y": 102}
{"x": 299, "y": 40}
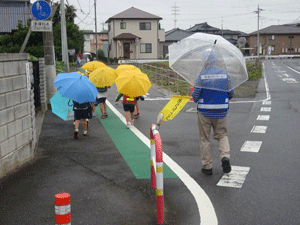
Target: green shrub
{"x": 101, "y": 53}
{"x": 60, "y": 67}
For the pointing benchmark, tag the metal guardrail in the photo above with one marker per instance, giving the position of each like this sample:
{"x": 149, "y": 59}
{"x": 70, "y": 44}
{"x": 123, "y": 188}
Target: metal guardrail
{"x": 166, "y": 78}
{"x": 254, "y": 57}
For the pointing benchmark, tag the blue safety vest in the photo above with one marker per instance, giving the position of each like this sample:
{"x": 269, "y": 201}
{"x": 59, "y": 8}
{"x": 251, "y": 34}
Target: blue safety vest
{"x": 213, "y": 103}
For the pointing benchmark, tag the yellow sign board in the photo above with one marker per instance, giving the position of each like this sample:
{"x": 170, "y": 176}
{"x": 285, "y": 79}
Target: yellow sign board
{"x": 174, "y": 106}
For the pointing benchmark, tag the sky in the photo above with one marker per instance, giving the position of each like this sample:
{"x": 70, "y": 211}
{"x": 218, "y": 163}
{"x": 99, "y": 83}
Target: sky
{"x": 227, "y": 14}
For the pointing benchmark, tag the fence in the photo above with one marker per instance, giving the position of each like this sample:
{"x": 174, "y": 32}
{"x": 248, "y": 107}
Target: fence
{"x": 171, "y": 80}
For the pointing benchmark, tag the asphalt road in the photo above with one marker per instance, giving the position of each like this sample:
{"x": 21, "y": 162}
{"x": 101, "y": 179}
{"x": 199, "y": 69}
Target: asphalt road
{"x": 262, "y": 189}
{"x": 264, "y": 140}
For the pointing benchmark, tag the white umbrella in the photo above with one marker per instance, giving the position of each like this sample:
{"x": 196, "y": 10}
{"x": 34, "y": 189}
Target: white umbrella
{"x": 208, "y": 54}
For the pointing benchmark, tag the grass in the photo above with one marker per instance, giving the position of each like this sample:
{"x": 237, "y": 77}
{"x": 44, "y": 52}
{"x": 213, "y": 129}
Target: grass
{"x": 253, "y": 69}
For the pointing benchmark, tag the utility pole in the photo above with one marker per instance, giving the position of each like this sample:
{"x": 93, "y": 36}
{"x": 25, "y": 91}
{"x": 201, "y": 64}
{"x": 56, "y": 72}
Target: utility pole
{"x": 64, "y": 42}
{"x": 222, "y": 27}
{"x": 258, "y": 44}
{"x": 175, "y": 13}
{"x": 96, "y": 31}
{"x": 50, "y": 69}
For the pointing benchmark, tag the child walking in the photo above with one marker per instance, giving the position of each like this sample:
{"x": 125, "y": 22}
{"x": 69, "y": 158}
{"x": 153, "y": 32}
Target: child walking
{"x": 128, "y": 105}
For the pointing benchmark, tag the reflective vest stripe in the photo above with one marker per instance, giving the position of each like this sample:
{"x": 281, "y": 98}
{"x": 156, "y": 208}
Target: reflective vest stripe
{"x": 214, "y": 76}
{"x": 214, "y": 106}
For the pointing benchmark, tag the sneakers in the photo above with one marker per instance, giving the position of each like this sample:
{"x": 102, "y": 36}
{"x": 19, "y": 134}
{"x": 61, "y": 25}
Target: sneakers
{"x": 76, "y": 134}
{"x": 132, "y": 122}
{"x": 128, "y": 125}
{"x": 207, "y": 171}
{"x": 85, "y": 133}
{"x": 226, "y": 165}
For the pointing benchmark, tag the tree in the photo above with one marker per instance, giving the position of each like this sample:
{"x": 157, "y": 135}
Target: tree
{"x": 12, "y": 43}
{"x": 75, "y": 37}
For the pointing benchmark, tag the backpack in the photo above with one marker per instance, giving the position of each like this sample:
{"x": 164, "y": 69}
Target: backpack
{"x": 102, "y": 89}
{"x": 129, "y": 100}
{"x": 82, "y": 106}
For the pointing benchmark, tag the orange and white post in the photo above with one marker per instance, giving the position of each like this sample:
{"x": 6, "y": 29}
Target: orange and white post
{"x": 63, "y": 209}
{"x": 157, "y": 161}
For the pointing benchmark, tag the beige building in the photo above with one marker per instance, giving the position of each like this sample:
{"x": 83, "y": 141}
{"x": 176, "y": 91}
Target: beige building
{"x": 135, "y": 34}
{"x": 277, "y": 40}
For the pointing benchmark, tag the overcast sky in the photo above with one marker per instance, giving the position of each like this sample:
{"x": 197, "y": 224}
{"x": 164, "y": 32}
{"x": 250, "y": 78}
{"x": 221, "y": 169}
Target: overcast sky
{"x": 231, "y": 14}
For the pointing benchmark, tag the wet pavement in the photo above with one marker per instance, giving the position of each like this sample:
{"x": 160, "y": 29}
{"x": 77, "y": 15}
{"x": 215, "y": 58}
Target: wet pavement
{"x": 103, "y": 189}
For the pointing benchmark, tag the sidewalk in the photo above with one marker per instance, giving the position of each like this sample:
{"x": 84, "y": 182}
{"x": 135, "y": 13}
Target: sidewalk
{"x": 102, "y": 187}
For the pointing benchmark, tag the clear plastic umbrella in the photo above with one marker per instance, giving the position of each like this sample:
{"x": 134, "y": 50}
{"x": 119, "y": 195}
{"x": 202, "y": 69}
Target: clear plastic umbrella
{"x": 210, "y": 60}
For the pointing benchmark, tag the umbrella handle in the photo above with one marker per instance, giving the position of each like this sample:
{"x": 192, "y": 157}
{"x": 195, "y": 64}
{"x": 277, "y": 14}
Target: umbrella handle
{"x": 69, "y": 103}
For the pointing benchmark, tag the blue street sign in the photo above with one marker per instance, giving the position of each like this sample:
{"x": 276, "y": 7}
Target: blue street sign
{"x": 41, "y": 10}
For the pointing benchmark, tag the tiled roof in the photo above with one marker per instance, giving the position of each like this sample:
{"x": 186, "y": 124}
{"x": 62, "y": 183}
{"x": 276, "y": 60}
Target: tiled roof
{"x": 203, "y": 27}
{"x": 280, "y": 29}
{"x": 126, "y": 36}
{"x": 133, "y": 13}
{"x": 11, "y": 12}
{"x": 227, "y": 32}
{"x": 176, "y": 35}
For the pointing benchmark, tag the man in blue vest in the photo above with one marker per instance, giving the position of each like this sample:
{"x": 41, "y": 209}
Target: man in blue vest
{"x": 212, "y": 107}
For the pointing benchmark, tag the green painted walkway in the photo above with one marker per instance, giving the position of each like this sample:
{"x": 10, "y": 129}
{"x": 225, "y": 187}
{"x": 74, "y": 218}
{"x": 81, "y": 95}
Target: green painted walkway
{"x": 133, "y": 150}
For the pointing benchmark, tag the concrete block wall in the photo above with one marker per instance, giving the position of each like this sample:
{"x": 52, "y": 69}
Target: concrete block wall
{"x": 43, "y": 93}
{"x": 17, "y": 113}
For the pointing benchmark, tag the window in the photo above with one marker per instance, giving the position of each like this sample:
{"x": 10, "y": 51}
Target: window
{"x": 271, "y": 37}
{"x": 146, "y": 48}
{"x": 122, "y": 25}
{"x": 273, "y": 48}
{"x": 145, "y": 26}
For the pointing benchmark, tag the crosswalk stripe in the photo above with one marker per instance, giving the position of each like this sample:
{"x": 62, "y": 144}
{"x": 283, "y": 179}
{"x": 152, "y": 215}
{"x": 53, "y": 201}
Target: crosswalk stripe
{"x": 265, "y": 109}
{"x": 259, "y": 129}
{"x": 251, "y": 146}
{"x": 263, "y": 117}
{"x": 235, "y": 178}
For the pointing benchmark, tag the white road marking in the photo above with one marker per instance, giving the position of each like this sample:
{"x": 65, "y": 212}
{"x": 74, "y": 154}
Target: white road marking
{"x": 289, "y": 80}
{"x": 235, "y": 178}
{"x": 265, "y": 109}
{"x": 292, "y": 69}
{"x": 251, "y": 146}
{"x": 267, "y": 102}
{"x": 157, "y": 98}
{"x": 206, "y": 210}
{"x": 259, "y": 129}
{"x": 192, "y": 110}
{"x": 263, "y": 117}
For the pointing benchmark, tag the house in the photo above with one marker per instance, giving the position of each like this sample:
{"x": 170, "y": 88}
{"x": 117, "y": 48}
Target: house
{"x": 229, "y": 35}
{"x": 13, "y": 11}
{"x": 173, "y": 36}
{"x": 204, "y": 28}
{"x": 135, "y": 34}
{"x": 277, "y": 40}
{"x": 90, "y": 41}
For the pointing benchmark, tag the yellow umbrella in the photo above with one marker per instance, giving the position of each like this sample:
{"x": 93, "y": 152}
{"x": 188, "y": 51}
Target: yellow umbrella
{"x": 103, "y": 76}
{"x": 122, "y": 68}
{"x": 93, "y": 65}
{"x": 133, "y": 83}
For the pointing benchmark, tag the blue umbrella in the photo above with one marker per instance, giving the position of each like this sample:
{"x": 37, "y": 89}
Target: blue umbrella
{"x": 62, "y": 107}
{"x": 76, "y": 87}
